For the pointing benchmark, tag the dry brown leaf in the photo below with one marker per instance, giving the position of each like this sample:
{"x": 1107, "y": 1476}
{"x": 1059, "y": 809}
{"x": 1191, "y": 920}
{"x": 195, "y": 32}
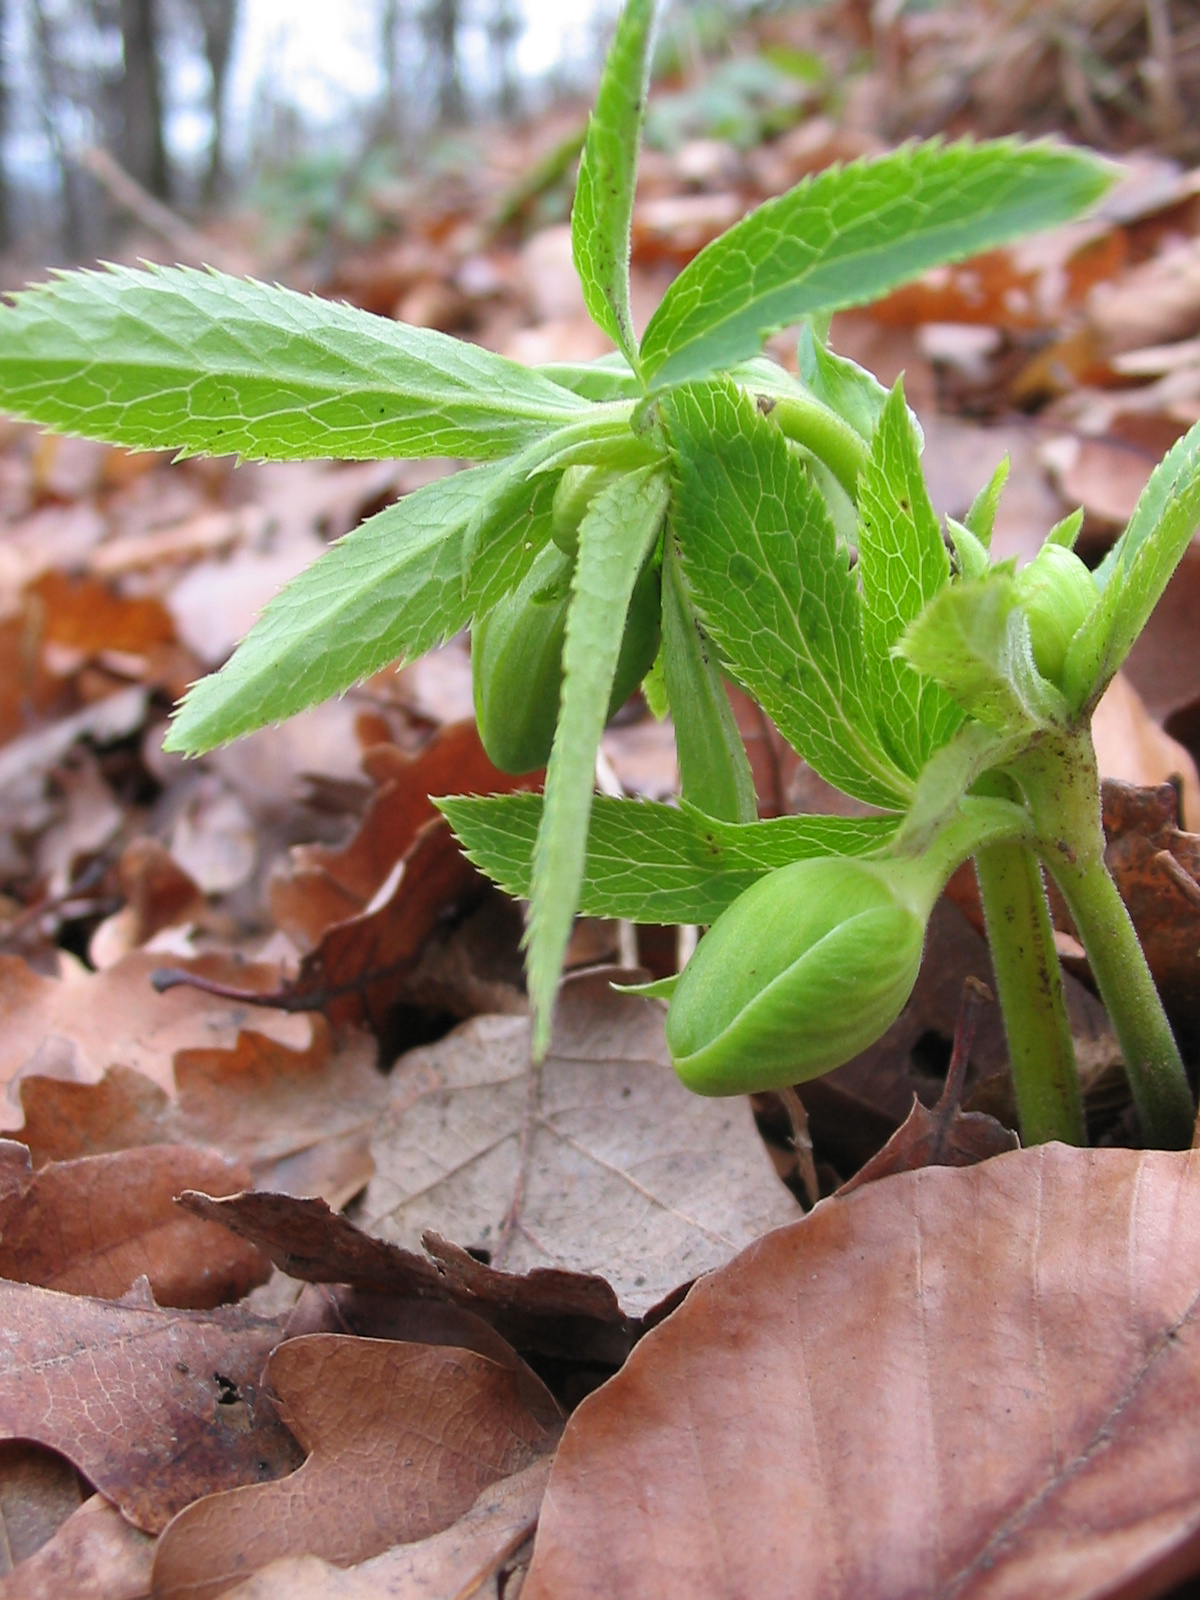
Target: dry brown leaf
{"x": 154, "y": 1407}
{"x": 402, "y": 1437}
{"x": 1131, "y": 746}
{"x": 96, "y": 1225}
{"x": 599, "y": 1162}
{"x": 566, "y": 1314}
{"x": 95, "y": 1553}
{"x": 83, "y": 614}
{"x": 301, "y": 1120}
{"x": 974, "y": 1382}
{"x": 325, "y": 886}
{"x": 74, "y": 1027}
{"x": 39, "y": 1489}
{"x": 455, "y": 1562}
{"x": 158, "y": 894}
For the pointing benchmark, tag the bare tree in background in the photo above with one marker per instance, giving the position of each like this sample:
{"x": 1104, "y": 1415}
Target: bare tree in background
{"x": 6, "y": 224}
{"x": 391, "y": 20}
{"x": 217, "y": 18}
{"x": 53, "y": 111}
{"x": 504, "y": 28}
{"x": 143, "y": 150}
{"x": 440, "y": 22}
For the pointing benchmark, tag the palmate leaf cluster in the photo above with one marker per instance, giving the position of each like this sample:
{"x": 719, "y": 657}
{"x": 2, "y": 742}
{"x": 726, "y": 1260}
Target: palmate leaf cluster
{"x": 799, "y": 551}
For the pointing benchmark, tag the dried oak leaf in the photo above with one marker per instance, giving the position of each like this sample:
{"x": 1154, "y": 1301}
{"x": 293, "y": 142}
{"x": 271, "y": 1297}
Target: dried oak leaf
{"x": 403, "y": 1437}
{"x": 301, "y": 1120}
{"x": 75, "y": 1027}
{"x": 460, "y": 1560}
{"x": 96, "y": 1225}
{"x": 598, "y": 1161}
{"x": 155, "y": 1407}
{"x": 972, "y": 1382}
{"x": 95, "y": 1553}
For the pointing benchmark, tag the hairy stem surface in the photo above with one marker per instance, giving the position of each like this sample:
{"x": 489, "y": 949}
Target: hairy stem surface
{"x": 1030, "y": 987}
{"x": 1062, "y": 786}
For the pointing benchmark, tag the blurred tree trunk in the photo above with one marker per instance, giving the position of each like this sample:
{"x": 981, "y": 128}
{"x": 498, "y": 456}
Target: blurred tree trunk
{"x": 50, "y": 106}
{"x": 391, "y": 19}
{"x": 6, "y": 220}
{"x": 218, "y": 18}
{"x": 504, "y": 29}
{"x": 440, "y": 20}
{"x": 143, "y": 151}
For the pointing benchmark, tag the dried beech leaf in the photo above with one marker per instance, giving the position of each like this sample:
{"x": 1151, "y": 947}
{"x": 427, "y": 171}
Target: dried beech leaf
{"x": 96, "y": 1225}
{"x": 973, "y": 1382}
{"x": 599, "y": 1162}
{"x": 402, "y": 1438}
{"x": 95, "y": 1553}
{"x": 455, "y": 1562}
{"x": 154, "y": 1407}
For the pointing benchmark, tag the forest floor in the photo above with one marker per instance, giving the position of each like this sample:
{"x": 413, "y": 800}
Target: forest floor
{"x": 340, "y": 1367}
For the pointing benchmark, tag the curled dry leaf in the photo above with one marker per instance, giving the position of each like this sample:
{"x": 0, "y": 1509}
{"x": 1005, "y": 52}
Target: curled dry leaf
{"x": 402, "y": 1437}
{"x": 599, "y": 1161}
{"x": 972, "y": 1382}
{"x": 556, "y": 1312}
{"x": 327, "y": 885}
{"x": 95, "y": 1553}
{"x": 77, "y": 1026}
{"x": 154, "y": 1407}
{"x": 458, "y": 1561}
{"x": 96, "y": 1225}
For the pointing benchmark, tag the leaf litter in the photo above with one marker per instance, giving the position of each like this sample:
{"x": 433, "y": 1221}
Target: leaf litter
{"x": 347, "y": 1046}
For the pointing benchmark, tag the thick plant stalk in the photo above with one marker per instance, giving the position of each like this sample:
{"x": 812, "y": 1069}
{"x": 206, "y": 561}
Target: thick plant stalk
{"x": 1060, "y": 781}
{"x": 1029, "y": 982}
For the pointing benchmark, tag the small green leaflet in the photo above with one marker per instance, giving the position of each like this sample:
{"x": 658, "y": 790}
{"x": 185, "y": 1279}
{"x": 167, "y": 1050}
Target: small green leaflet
{"x": 615, "y": 538}
{"x": 854, "y": 393}
{"x": 973, "y": 638}
{"x": 981, "y": 516}
{"x": 603, "y": 206}
{"x": 773, "y": 587}
{"x": 902, "y": 564}
{"x": 391, "y": 588}
{"x": 714, "y": 771}
{"x": 1135, "y": 572}
{"x": 848, "y": 235}
{"x": 169, "y": 358}
{"x": 653, "y": 863}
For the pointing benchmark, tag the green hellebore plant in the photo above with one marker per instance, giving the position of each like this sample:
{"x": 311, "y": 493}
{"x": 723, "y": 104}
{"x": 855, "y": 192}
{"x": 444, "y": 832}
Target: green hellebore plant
{"x": 950, "y": 695}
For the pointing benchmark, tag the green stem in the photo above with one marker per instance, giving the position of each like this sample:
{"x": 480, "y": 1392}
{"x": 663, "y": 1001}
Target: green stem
{"x": 1062, "y": 786}
{"x": 1030, "y": 990}
{"x": 824, "y": 432}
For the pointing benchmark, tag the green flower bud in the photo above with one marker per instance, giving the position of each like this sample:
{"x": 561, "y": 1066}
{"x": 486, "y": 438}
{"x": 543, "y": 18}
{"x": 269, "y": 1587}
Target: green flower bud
{"x": 1057, "y": 591}
{"x": 516, "y": 660}
{"x": 808, "y": 967}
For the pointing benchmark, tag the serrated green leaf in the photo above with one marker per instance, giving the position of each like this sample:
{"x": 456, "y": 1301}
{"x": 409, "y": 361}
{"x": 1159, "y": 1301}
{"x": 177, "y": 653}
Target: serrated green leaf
{"x": 981, "y": 516}
{"x": 600, "y": 217}
{"x": 616, "y": 537}
{"x": 714, "y": 770}
{"x": 390, "y": 588}
{"x": 902, "y": 564}
{"x": 506, "y": 537}
{"x": 654, "y": 863}
{"x": 973, "y": 638}
{"x": 850, "y": 234}
{"x": 1135, "y": 572}
{"x": 169, "y": 358}
{"x": 772, "y": 586}
{"x": 609, "y": 377}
